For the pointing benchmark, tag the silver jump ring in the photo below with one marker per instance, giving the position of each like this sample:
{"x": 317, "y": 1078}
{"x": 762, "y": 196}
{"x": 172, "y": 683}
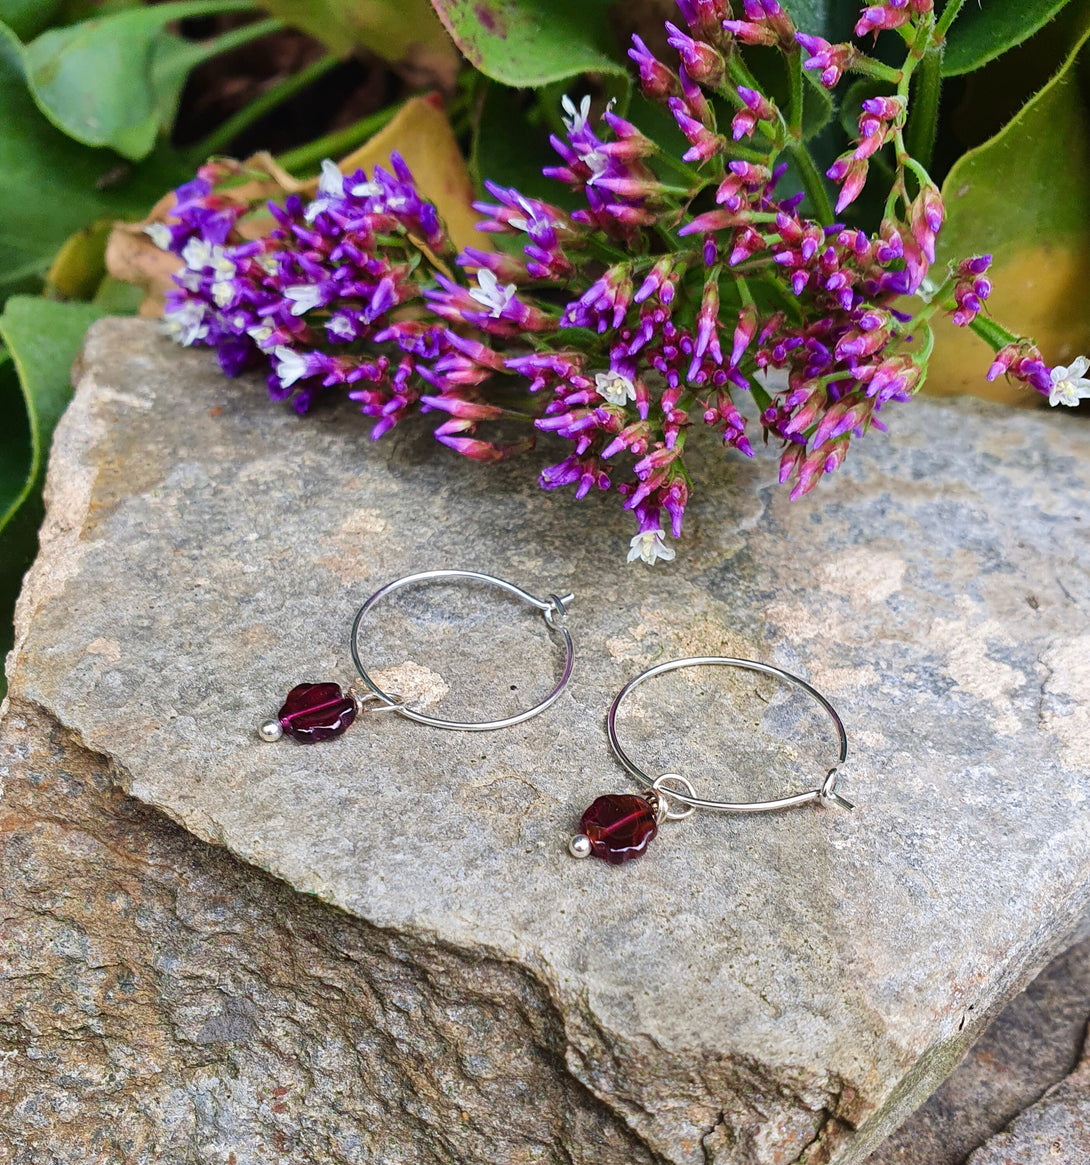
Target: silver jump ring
{"x": 551, "y": 609}
{"x": 825, "y": 793}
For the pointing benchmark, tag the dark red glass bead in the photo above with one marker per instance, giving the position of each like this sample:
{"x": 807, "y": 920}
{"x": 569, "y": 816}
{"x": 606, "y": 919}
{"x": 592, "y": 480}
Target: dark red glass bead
{"x": 619, "y": 826}
{"x": 316, "y": 712}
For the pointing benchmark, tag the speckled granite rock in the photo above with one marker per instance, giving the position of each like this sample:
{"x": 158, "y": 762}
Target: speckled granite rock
{"x": 1055, "y": 1131}
{"x": 758, "y": 989}
{"x": 1031, "y": 1046}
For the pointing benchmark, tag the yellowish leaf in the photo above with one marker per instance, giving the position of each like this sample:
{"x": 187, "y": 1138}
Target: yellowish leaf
{"x": 80, "y": 264}
{"x": 1040, "y": 287}
{"x": 407, "y": 33}
{"x": 421, "y": 134}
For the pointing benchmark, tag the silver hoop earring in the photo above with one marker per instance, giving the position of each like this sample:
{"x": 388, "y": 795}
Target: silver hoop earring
{"x": 321, "y": 711}
{"x": 619, "y": 827}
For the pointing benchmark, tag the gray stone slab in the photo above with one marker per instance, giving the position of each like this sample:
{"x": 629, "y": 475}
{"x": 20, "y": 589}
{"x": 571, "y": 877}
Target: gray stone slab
{"x": 1055, "y": 1131}
{"x": 758, "y": 989}
{"x": 1031, "y": 1046}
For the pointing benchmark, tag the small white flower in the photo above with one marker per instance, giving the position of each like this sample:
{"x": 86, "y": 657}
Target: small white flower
{"x": 160, "y": 234}
{"x": 340, "y": 328}
{"x": 491, "y": 294}
{"x": 223, "y": 292}
{"x": 197, "y": 254}
{"x": 649, "y": 545}
{"x": 291, "y": 365}
{"x": 186, "y": 323}
{"x": 598, "y": 164}
{"x": 261, "y": 334}
{"x": 304, "y": 296}
{"x": 189, "y": 280}
{"x": 576, "y": 121}
{"x": 267, "y": 261}
{"x": 366, "y": 190}
{"x": 614, "y": 387}
{"x": 330, "y": 187}
{"x": 331, "y": 182}
{"x": 1069, "y": 385}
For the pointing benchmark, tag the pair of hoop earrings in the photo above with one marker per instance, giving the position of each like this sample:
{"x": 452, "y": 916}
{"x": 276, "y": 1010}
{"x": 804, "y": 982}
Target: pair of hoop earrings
{"x": 616, "y": 827}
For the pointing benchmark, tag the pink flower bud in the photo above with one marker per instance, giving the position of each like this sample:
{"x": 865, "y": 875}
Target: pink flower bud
{"x": 657, "y": 81}
{"x": 743, "y": 333}
{"x": 701, "y": 61}
{"x": 471, "y": 447}
{"x": 743, "y": 124}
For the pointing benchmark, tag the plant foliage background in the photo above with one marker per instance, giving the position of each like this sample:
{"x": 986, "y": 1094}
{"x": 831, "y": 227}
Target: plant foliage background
{"x": 106, "y": 106}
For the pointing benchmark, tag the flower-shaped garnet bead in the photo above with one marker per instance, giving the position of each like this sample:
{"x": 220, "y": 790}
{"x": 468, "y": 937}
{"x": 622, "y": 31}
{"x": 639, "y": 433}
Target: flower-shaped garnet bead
{"x": 315, "y": 712}
{"x": 619, "y": 827}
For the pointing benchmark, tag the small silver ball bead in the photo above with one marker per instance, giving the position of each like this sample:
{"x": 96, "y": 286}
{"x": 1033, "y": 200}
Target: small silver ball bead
{"x": 579, "y": 846}
{"x": 271, "y": 730}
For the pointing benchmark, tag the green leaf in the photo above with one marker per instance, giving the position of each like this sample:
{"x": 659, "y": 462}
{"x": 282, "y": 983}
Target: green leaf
{"x": 116, "y": 81}
{"x": 1024, "y": 197}
{"x": 43, "y": 338}
{"x": 14, "y": 440}
{"x": 810, "y": 16}
{"x": 51, "y": 187}
{"x": 982, "y": 32}
{"x": 402, "y": 31}
{"x": 508, "y": 148}
{"x": 26, "y": 18}
{"x": 1030, "y": 183}
{"x": 832, "y": 19}
{"x": 17, "y": 539}
{"x": 527, "y": 43}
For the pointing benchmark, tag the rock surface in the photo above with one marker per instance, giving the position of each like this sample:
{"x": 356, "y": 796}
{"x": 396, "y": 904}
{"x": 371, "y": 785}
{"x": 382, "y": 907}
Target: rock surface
{"x": 763, "y": 989}
{"x": 1033, "y": 1045}
{"x": 1055, "y": 1131}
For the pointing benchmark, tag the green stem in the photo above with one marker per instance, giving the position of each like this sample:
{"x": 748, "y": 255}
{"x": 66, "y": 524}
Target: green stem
{"x": 202, "y": 51}
{"x": 812, "y": 182}
{"x": 953, "y": 7}
{"x": 924, "y": 354}
{"x": 794, "y": 115}
{"x": 992, "y": 333}
{"x": 682, "y": 168}
{"x": 868, "y": 67}
{"x": 935, "y": 300}
{"x": 340, "y": 141}
{"x": 923, "y": 115}
{"x": 222, "y": 137}
{"x": 740, "y": 75}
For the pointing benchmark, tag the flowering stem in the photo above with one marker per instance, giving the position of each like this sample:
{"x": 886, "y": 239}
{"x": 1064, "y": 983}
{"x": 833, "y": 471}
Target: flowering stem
{"x": 953, "y": 7}
{"x": 935, "y": 299}
{"x": 992, "y": 333}
{"x": 794, "y": 72}
{"x": 294, "y": 83}
{"x": 309, "y": 156}
{"x": 812, "y": 182}
{"x": 869, "y": 67}
{"x": 923, "y": 119}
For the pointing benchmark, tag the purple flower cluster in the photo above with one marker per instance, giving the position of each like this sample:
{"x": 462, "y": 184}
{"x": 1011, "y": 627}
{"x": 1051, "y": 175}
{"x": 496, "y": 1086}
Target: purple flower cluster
{"x": 677, "y": 285}
{"x": 321, "y": 298}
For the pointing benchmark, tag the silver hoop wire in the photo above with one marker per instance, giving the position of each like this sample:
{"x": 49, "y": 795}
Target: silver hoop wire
{"x": 555, "y": 606}
{"x": 824, "y": 793}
